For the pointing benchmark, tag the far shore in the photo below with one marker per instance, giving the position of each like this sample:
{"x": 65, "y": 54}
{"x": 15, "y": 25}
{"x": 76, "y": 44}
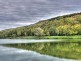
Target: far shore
{"x": 45, "y": 37}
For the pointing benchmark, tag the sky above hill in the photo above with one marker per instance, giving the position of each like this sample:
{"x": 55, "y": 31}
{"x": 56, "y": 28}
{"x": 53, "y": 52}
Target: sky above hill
{"x": 16, "y": 13}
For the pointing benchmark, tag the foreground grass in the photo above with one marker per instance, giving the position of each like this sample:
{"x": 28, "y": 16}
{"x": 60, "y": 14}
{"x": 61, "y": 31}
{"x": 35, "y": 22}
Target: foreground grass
{"x": 47, "y": 37}
{"x": 70, "y": 50}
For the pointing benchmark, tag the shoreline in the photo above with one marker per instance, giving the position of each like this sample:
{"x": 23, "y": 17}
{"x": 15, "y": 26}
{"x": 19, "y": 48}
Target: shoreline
{"x": 45, "y": 37}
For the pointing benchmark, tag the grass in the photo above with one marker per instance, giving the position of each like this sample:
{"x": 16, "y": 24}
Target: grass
{"x": 70, "y": 50}
{"x": 47, "y": 37}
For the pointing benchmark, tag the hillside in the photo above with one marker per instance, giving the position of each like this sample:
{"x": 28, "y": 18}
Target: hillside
{"x": 61, "y": 25}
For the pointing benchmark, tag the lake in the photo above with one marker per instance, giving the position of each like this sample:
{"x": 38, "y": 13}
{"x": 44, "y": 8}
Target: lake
{"x": 15, "y": 54}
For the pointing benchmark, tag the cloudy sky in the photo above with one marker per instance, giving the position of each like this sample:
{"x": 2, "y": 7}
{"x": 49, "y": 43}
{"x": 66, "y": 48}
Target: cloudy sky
{"x": 15, "y": 13}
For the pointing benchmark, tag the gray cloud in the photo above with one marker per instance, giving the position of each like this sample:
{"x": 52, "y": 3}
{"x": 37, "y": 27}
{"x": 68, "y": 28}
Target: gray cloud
{"x": 14, "y": 13}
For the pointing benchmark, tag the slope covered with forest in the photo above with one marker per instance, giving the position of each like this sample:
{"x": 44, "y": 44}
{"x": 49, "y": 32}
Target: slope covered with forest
{"x": 61, "y": 25}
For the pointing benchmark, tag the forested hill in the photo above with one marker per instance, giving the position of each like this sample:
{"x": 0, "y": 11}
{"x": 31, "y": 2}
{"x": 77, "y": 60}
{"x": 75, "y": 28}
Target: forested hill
{"x": 61, "y": 25}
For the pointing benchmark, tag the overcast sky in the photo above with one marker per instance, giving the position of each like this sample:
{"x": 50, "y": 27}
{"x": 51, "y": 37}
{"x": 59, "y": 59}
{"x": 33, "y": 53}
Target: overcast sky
{"x": 15, "y": 13}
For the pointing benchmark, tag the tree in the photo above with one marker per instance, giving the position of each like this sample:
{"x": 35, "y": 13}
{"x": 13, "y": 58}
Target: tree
{"x": 38, "y": 32}
{"x": 18, "y": 33}
{"x": 78, "y": 18}
{"x": 13, "y": 35}
{"x": 63, "y": 30}
{"x": 52, "y": 31}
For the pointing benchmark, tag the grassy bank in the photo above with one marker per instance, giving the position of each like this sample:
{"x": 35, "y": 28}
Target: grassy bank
{"x": 70, "y": 50}
{"x": 46, "y": 37}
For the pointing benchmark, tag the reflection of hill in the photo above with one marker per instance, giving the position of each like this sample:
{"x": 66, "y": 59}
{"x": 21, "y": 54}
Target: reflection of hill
{"x": 71, "y": 50}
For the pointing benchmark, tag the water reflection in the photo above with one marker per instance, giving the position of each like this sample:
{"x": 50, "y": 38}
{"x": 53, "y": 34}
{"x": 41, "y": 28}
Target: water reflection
{"x": 13, "y": 41}
{"x": 13, "y": 54}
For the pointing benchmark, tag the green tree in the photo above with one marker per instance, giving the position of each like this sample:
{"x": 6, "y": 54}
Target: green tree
{"x": 38, "y": 32}
{"x": 52, "y": 31}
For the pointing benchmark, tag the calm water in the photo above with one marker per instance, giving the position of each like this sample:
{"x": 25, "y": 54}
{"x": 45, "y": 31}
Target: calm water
{"x": 13, "y": 41}
{"x": 14, "y": 54}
